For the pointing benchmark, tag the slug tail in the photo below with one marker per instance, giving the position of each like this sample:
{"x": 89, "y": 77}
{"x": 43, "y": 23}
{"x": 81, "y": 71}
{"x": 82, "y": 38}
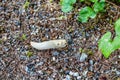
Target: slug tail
{"x": 35, "y": 45}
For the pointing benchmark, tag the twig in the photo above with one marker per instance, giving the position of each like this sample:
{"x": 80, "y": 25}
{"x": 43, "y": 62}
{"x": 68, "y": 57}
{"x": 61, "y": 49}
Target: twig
{"x": 112, "y": 4}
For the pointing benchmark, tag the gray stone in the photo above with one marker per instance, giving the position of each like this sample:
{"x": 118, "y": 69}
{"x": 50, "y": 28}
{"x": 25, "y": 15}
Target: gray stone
{"x": 67, "y": 77}
{"x": 76, "y": 74}
{"x": 40, "y": 63}
{"x": 55, "y": 53}
{"x": 83, "y": 57}
{"x": 91, "y": 62}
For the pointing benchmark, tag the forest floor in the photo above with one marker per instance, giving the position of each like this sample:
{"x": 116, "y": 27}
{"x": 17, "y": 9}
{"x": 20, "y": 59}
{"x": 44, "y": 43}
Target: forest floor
{"x": 80, "y": 60}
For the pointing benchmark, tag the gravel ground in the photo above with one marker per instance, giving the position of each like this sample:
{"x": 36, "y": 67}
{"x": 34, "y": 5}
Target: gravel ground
{"x": 80, "y": 60}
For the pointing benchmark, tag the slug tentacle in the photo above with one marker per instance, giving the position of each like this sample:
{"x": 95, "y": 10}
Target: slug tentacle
{"x": 52, "y": 44}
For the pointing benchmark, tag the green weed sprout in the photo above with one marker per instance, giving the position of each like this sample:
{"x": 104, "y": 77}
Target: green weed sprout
{"x": 106, "y": 44}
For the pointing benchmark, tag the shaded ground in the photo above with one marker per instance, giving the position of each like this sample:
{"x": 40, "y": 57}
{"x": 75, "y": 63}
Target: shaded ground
{"x": 80, "y": 60}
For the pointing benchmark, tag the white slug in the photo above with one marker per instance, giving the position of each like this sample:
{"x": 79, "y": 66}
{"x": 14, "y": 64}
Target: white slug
{"x": 52, "y": 44}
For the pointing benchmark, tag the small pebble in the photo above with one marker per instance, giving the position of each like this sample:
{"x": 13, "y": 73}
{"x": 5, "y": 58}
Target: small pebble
{"x": 26, "y": 69}
{"x": 23, "y": 57}
{"x": 53, "y": 58}
{"x": 40, "y": 72}
{"x": 91, "y": 62}
{"x": 83, "y": 57}
{"x": 29, "y": 68}
{"x": 1, "y": 8}
{"x": 67, "y": 77}
{"x": 91, "y": 65}
{"x": 80, "y": 68}
{"x": 76, "y": 74}
{"x": 118, "y": 56}
{"x": 39, "y": 64}
{"x": 118, "y": 72}
{"x": 50, "y": 78}
{"x": 85, "y": 73}
{"x": 67, "y": 72}
{"x": 6, "y": 49}
{"x": 4, "y": 37}
{"x": 71, "y": 73}
{"x": 91, "y": 68}
{"x": 78, "y": 77}
{"x": 66, "y": 60}
{"x": 55, "y": 53}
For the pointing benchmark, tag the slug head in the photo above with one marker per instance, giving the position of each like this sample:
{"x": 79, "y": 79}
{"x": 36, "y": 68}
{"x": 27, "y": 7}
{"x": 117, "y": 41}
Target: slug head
{"x": 61, "y": 43}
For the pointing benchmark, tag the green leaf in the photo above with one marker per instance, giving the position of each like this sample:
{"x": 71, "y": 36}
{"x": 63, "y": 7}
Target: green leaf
{"x": 66, "y": 8}
{"x": 82, "y": 0}
{"x": 85, "y": 14}
{"x": 116, "y": 42}
{"x": 67, "y": 5}
{"x": 64, "y": 2}
{"x": 117, "y": 27}
{"x": 102, "y": 0}
{"x": 70, "y": 2}
{"x": 93, "y": 15}
{"x": 99, "y": 6}
{"x": 82, "y": 19}
{"x": 93, "y": 1}
{"x": 105, "y": 44}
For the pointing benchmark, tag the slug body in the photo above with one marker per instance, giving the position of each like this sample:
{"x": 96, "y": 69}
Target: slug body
{"x": 52, "y": 44}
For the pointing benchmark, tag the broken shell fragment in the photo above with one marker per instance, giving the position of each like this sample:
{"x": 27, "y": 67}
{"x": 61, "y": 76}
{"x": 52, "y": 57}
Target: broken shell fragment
{"x": 52, "y": 44}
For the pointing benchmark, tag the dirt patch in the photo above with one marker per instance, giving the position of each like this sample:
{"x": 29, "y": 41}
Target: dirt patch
{"x": 80, "y": 60}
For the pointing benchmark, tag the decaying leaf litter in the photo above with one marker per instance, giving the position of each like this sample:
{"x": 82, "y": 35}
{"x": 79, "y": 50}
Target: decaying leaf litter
{"x": 42, "y": 21}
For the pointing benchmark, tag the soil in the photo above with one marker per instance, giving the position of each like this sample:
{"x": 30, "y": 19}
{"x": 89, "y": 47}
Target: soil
{"x": 80, "y": 60}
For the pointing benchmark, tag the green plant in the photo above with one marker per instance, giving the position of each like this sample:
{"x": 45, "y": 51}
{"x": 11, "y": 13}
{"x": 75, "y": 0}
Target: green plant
{"x": 29, "y": 54}
{"x": 88, "y": 12}
{"x": 106, "y": 44}
{"x": 99, "y": 6}
{"x": 26, "y": 5}
{"x": 85, "y": 14}
{"x": 67, "y": 5}
{"x": 1, "y": 41}
{"x": 51, "y": 0}
{"x": 23, "y": 37}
